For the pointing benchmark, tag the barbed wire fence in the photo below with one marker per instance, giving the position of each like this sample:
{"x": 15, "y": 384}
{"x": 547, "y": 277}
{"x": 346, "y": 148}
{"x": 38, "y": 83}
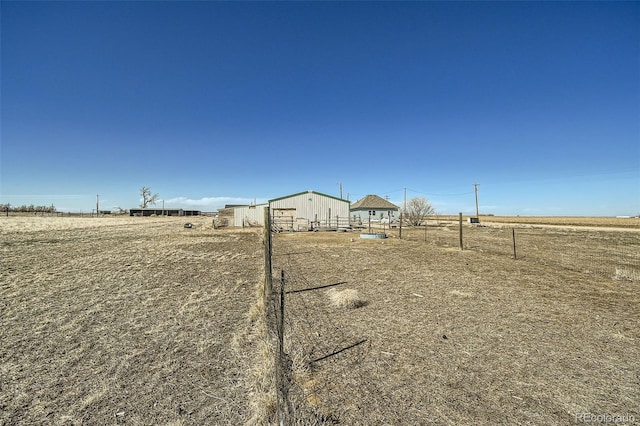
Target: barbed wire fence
{"x": 320, "y": 356}
{"x": 597, "y": 252}
{"x": 317, "y": 355}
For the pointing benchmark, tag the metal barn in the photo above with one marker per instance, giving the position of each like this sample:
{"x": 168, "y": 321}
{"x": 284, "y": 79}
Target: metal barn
{"x": 309, "y": 210}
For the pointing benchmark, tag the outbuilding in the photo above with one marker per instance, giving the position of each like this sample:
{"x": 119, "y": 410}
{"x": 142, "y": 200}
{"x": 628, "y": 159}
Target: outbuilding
{"x": 373, "y": 208}
{"x": 308, "y": 210}
{"x": 163, "y": 212}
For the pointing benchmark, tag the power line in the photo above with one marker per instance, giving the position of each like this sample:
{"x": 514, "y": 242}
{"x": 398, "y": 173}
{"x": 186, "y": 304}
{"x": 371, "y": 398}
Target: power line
{"x": 431, "y": 194}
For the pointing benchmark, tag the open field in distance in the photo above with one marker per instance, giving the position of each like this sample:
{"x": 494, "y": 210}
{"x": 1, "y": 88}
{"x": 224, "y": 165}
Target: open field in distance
{"x": 611, "y": 222}
{"x": 140, "y": 321}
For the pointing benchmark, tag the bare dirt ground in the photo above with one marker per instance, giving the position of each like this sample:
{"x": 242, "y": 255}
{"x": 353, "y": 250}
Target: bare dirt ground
{"x": 141, "y": 321}
{"x": 125, "y": 321}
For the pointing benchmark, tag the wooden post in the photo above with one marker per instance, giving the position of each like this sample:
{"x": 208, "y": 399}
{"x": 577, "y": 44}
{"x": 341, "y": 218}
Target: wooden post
{"x": 281, "y": 319}
{"x": 460, "y": 220}
{"x": 282, "y": 411}
{"x": 513, "y": 233}
{"x": 268, "y": 283}
{"x": 425, "y": 231}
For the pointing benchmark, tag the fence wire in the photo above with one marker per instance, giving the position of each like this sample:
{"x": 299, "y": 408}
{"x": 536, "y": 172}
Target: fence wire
{"x": 601, "y": 252}
{"x": 323, "y": 356}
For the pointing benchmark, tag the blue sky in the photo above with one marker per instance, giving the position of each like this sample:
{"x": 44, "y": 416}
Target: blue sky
{"x": 209, "y": 103}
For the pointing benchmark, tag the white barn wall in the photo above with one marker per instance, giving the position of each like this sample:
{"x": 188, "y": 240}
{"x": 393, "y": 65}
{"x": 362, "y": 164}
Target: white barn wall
{"x": 306, "y": 204}
{"x": 309, "y": 204}
{"x": 249, "y": 215}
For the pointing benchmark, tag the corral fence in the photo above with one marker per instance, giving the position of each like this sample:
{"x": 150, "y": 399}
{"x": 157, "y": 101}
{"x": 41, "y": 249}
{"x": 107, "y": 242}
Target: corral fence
{"x": 283, "y": 223}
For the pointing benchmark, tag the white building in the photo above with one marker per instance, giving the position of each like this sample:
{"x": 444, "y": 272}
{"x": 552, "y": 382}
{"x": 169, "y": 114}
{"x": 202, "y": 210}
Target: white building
{"x": 309, "y": 210}
{"x": 302, "y": 211}
{"x": 252, "y": 215}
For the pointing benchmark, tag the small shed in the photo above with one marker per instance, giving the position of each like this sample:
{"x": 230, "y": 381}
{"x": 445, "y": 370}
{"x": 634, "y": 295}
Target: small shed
{"x": 375, "y": 208}
{"x": 251, "y": 215}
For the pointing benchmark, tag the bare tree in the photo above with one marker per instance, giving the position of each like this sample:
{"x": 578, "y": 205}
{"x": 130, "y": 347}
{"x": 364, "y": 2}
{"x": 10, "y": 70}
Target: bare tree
{"x": 417, "y": 210}
{"x": 147, "y": 198}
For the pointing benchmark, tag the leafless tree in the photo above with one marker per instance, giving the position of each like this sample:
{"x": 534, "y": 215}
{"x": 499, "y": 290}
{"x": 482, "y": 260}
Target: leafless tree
{"x": 147, "y": 198}
{"x": 417, "y": 210}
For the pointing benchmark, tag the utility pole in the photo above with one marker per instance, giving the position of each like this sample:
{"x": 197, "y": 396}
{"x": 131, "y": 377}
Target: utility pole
{"x": 97, "y": 204}
{"x": 340, "y": 184}
{"x": 404, "y": 207}
{"x": 475, "y": 187}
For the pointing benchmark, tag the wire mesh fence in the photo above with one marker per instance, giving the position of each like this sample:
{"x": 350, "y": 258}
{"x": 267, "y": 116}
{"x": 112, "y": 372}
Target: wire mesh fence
{"x": 331, "y": 370}
{"x": 320, "y": 348}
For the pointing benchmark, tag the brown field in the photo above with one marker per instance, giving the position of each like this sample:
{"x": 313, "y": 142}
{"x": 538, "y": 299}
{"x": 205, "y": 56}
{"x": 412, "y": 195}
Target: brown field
{"x": 141, "y": 321}
{"x": 125, "y": 320}
{"x": 610, "y": 222}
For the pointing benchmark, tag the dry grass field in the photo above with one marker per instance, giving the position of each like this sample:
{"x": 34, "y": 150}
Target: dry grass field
{"x": 141, "y": 321}
{"x": 582, "y": 221}
{"x": 125, "y": 321}
{"x": 466, "y": 337}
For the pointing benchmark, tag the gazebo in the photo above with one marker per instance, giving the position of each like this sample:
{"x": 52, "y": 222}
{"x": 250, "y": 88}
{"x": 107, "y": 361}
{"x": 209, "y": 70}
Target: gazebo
{"x": 373, "y": 208}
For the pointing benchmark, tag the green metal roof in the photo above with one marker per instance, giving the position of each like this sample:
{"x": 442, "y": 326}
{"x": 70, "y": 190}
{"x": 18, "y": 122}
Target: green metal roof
{"x": 310, "y": 192}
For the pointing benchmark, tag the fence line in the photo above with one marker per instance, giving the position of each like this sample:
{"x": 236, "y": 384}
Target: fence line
{"x": 311, "y": 341}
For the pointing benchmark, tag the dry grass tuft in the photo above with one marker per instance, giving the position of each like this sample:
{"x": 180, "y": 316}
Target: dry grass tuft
{"x": 262, "y": 374}
{"x": 459, "y": 293}
{"x": 348, "y": 298}
{"x": 263, "y": 399}
{"x": 627, "y": 274}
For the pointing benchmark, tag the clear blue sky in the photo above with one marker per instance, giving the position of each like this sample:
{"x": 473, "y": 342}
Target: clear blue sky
{"x": 210, "y": 103}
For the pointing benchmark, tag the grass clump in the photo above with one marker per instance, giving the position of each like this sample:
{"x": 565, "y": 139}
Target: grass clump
{"x": 349, "y": 298}
{"x": 627, "y": 274}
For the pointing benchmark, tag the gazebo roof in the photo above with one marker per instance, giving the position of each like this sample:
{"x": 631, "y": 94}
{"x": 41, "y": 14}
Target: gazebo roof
{"x": 373, "y": 202}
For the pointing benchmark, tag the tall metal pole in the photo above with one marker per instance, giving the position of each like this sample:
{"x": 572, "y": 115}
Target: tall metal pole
{"x": 475, "y": 187}
{"x": 404, "y": 210}
{"x": 405, "y": 200}
{"x": 460, "y": 225}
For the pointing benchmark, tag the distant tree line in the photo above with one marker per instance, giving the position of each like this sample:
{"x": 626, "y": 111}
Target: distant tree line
{"x": 27, "y": 209}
